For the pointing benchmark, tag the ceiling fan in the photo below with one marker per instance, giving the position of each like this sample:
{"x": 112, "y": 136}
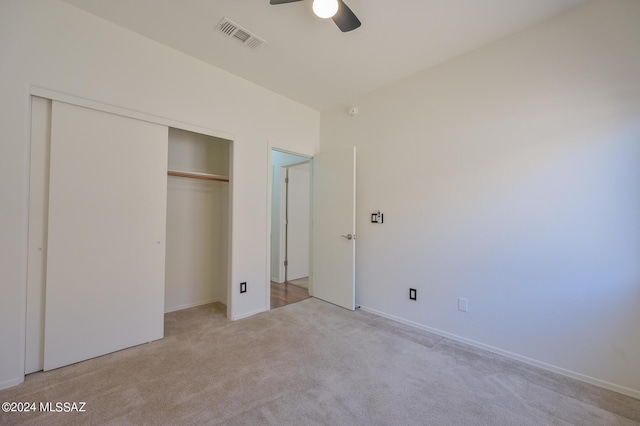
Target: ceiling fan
{"x": 344, "y": 18}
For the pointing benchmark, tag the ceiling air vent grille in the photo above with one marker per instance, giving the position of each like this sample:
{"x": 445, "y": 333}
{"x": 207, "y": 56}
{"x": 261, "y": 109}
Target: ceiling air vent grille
{"x": 239, "y": 34}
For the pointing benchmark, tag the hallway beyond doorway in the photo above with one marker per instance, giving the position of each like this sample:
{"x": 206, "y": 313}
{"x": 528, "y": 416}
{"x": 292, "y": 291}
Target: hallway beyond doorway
{"x": 283, "y": 294}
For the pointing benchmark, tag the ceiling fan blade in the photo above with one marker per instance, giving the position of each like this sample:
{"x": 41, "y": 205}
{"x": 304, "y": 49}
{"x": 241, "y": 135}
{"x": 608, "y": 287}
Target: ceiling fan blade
{"x": 282, "y": 1}
{"x": 345, "y": 19}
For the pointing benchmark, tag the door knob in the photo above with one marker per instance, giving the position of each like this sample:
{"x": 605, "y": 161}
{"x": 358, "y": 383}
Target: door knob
{"x": 348, "y": 236}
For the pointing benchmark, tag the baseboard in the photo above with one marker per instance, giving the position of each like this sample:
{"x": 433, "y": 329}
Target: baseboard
{"x": 11, "y": 383}
{"x": 550, "y": 367}
{"x": 248, "y": 314}
{"x": 194, "y": 304}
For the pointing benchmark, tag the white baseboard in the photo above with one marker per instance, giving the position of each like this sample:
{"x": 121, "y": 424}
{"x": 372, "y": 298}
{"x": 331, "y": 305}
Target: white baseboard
{"x": 193, "y": 305}
{"x": 248, "y": 314}
{"x": 11, "y": 383}
{"x": 569, "y": 373}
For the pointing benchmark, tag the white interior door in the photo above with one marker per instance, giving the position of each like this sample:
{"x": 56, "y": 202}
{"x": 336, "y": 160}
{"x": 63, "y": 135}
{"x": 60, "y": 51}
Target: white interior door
{"x": 106, "y": 235}
{"x": 298, "y": 221}
{"x": 334, "y": 227}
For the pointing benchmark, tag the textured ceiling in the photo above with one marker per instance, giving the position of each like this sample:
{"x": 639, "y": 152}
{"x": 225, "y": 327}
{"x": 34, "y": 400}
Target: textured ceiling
{"x": 307, "y": 58}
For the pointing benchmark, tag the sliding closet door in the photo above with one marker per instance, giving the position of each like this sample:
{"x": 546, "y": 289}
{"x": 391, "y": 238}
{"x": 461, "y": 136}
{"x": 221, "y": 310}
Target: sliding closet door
{"x": 106, "y": 241}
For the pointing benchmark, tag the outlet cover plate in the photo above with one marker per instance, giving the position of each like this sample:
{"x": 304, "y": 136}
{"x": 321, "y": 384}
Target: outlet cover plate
{"x": 463, "y": 304}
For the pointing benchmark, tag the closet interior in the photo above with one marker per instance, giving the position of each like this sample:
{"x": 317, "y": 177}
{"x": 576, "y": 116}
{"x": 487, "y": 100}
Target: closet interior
{"x": 197, "y": 220}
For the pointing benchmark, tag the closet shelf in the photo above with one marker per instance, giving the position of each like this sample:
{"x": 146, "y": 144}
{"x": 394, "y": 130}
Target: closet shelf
{"x": 197, "y": 175}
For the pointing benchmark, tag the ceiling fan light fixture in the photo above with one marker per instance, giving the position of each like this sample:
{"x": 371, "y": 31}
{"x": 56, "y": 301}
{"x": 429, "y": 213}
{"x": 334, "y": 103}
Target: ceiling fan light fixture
{"x": 325, "y": 8}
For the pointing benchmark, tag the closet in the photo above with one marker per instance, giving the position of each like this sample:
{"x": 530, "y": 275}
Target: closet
{"x": 197, "y": 220}
{"x": 115, "y": 239}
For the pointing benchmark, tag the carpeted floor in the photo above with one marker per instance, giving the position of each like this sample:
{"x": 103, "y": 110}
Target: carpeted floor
{"x": 311, "y": 363}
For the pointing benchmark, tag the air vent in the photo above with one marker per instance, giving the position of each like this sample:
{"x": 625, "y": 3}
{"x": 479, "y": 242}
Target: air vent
{"x": 239, "y": 34}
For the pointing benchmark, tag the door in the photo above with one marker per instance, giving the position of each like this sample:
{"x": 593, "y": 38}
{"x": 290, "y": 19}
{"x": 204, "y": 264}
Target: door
{"x": 334, "y": 227}
{"x": 106, "y": 234}
{"x": 298, "y": 221}
{"x": 38, "y": 208}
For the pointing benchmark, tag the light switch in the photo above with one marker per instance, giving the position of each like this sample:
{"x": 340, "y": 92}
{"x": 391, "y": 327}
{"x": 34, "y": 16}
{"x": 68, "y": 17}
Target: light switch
{"x": 377, "y": 217}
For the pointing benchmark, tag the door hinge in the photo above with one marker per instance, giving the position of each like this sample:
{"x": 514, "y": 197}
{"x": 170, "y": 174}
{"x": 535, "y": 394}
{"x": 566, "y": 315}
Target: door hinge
{"x": 286, "y": 180}
{"x": 286, "y": 263}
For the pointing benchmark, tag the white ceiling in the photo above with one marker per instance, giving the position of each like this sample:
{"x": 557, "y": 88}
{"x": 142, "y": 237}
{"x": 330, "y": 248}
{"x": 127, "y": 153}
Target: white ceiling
{"x": 307, "y": 58}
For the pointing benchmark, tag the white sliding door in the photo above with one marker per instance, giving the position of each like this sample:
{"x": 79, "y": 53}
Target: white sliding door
{"x": 106, "y": 234}
{"x": 38, "y": 207}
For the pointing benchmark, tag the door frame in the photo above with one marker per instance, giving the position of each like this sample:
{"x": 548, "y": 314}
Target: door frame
{"x": 270, "y": 184}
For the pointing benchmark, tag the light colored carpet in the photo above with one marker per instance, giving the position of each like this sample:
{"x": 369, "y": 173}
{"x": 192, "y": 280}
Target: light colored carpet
{"x": 311, "y": 363}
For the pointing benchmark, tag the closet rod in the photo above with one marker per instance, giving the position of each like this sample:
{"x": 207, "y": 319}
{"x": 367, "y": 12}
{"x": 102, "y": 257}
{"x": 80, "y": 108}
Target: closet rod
{"x": 196, "y": 175}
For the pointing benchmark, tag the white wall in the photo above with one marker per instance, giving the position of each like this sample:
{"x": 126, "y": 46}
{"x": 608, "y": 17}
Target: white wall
{"x": 510, "y": 176}
{"x": 50, "y": 44}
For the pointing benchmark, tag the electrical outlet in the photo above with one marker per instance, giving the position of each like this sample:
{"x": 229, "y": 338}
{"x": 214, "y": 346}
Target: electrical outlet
{"x": 463, "y": 304}
{"x": 243, "y": 287}
{"x": 413, "y": 294}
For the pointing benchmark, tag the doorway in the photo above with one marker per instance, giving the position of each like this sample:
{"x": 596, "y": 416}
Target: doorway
{"x": 290, "y": 228}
